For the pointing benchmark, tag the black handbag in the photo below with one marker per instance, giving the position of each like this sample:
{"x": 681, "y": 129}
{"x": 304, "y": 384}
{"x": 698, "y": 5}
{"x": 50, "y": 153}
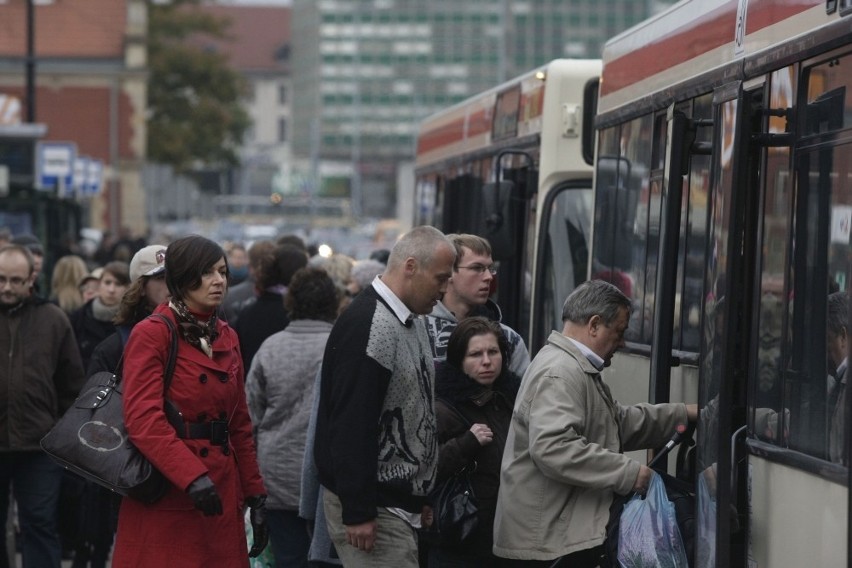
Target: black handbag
{"x": 455, "y": 510}
{"x": 91, "y": 440}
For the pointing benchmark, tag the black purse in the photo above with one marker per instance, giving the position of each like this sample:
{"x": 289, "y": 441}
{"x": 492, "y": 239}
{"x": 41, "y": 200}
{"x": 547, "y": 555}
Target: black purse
{"x": 455, "y": 510}
{"x": 91, "y": 440}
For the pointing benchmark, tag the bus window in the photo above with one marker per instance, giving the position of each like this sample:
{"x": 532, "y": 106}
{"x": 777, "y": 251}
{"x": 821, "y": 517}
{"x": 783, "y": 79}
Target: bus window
{"x": 626, "y": 217}
{"x": 777, "y": 231}
{"x": 693, "y": 239}
{"x": 565, "y": 255}
{"x": 462, "y": 206}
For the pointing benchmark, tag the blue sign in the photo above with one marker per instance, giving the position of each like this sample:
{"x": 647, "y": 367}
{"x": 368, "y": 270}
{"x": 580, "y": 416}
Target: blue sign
{"x": 55, "y": 166}
{"x": 94, "y": 177}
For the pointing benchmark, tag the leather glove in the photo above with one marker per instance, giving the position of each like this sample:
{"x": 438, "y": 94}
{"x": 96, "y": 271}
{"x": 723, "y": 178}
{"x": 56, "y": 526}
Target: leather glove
{"x": 204, "y": 496}
{"x": 259, "y": 526}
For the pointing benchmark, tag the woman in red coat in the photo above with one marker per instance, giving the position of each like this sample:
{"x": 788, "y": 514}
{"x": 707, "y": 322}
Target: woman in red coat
{"x": 207, "y": 452}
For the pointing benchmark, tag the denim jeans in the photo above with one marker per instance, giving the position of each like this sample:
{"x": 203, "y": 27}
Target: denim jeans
{"x": 35, "y": 480}
{"x": 288, "y": 536}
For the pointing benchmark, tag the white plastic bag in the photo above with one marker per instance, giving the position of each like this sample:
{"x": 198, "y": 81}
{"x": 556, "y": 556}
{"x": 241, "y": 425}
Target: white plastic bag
{"x": 648, "y": 535}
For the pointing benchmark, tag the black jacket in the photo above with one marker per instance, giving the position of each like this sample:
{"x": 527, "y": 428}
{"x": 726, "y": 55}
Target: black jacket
{"x": 40, "y": 372}
{"x": 258, "y": 321}
{"x": 458, "y": 445}
{"x": 89, "y": 331}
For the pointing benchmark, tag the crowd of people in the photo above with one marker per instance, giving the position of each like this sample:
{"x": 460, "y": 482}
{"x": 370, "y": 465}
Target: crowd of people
{"x": 316, "y": 403}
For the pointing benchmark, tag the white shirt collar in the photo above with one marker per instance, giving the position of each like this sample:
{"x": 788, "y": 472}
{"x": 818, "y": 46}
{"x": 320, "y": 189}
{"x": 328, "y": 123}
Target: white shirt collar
{"x": 399, "y": 309}
{"x": 593, "y": 357}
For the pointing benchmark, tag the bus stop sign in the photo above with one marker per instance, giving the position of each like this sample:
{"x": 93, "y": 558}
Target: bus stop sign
{"x": 55, "y": 165}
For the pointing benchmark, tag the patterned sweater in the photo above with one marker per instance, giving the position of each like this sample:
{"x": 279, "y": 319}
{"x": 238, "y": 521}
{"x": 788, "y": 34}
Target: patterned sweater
{"x": 376, "y": 440}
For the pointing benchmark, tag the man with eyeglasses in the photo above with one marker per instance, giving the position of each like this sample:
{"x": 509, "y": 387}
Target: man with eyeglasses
{"x": 468, "y": 294}
{"x": 40, "y": 376}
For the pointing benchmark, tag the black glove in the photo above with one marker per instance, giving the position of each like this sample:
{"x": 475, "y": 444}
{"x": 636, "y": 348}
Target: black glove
{"x": 204, "y": 496}
{"x": 259, "y": 527}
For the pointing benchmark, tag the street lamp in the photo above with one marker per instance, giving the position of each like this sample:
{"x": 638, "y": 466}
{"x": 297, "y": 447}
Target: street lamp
{"x": 30, "y": 61}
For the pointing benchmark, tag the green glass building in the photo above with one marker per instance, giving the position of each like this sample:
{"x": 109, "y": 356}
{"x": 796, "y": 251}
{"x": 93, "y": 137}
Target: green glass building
{"x": 366, "y": 71}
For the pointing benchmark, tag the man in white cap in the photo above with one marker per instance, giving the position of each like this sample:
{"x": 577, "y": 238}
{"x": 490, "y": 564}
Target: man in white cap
{"x": 148, "y": 261}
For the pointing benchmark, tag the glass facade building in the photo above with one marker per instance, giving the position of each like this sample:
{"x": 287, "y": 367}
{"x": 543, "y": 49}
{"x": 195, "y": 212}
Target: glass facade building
{"x": 366, "y": 71}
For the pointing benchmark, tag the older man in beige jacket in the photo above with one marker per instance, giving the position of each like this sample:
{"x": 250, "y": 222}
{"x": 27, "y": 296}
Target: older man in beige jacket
{"x": 563, "y": 459}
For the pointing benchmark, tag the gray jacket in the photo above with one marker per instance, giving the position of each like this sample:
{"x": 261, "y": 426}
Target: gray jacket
{"x": 563, "y": 460}
{"x": 280, "y": 394}
{"x": 441, "y": 323}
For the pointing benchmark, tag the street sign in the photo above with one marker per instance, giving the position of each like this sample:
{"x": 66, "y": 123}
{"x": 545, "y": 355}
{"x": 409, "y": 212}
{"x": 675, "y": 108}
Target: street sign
{"x": 81, "y": 175}
{"x": 94, "y": 177}
{"x": 55, "y": 166}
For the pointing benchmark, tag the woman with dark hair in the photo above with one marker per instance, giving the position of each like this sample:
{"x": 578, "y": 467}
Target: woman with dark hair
{"x": 474, "y": 396}
{"x": 203, "y": 445}
{"x": 280, "y": 387}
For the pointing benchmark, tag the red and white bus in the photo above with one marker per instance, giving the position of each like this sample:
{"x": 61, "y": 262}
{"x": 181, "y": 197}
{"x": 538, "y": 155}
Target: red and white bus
{"x": 723, "y": 206}
{"x": 512, "y": 164}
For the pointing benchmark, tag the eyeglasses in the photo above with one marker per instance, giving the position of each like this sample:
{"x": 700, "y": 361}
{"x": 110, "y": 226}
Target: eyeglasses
{"x": 14, "y": 281}
{"x": 481, "y": 268}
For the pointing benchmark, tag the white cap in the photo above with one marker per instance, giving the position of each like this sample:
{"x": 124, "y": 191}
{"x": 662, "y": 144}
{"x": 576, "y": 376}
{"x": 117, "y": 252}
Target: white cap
{"x": 149, "y": 261}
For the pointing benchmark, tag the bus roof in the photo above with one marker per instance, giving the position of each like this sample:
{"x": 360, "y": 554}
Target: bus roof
{"x": 698, "y": 37}
{"x": 478, "y": 122}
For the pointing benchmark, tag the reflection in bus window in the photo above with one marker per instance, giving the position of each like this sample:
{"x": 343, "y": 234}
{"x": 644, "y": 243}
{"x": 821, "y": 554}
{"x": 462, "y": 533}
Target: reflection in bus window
{"x": 795, "y": 370}
{"x": 821, "y": 257}
{"x": 627, "y": 218}
{"x": 693, "y": 239}
{"x": 567, "y": 223}
{"x": 776, "y": 236}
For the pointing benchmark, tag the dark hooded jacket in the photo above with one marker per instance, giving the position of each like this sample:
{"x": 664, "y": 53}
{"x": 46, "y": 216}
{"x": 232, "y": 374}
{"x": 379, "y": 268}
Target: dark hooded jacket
{"x": 459, "y": 447}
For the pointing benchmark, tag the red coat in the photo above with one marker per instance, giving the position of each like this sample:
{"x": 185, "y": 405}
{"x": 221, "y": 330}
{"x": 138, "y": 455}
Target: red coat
{"x": 171, "y": 532}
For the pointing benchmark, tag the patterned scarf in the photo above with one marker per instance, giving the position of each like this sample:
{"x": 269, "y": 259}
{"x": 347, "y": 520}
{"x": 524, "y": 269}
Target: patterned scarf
{"x": 197, "y": 334}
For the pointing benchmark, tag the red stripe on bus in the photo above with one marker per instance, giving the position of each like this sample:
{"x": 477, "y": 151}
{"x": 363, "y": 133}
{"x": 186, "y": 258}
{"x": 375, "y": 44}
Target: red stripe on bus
{"x": 700, "y": 36}
{"x": 454, "y": 132}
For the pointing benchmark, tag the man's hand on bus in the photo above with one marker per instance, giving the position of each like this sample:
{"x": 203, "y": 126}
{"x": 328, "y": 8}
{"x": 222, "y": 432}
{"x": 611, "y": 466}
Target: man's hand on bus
{"x": 643, "y": 479}
{"x": 692, "y": 412}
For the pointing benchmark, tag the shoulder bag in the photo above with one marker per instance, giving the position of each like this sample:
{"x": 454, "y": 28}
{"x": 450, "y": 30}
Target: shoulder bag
{"x": 455, "y": 510}
{"x": 91, "y": 440}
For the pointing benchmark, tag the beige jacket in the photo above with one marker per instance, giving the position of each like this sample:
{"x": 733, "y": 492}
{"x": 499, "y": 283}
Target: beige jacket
{"x": 563, "y": 457}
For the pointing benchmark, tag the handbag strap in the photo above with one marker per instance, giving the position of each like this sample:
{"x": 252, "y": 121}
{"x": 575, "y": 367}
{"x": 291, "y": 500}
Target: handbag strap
{"x": 173, "y": 348}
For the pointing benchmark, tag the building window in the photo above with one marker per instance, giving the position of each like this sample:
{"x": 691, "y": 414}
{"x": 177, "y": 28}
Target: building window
{"x": 282, "y": 95}
{"x": 282, "y": 129}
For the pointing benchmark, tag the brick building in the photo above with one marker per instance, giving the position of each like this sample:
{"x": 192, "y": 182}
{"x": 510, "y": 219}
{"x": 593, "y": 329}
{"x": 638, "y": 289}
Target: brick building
{"x": 90, "y": 80}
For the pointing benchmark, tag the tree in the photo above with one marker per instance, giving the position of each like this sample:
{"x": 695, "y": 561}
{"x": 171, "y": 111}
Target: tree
{"x": 195, "y": 117}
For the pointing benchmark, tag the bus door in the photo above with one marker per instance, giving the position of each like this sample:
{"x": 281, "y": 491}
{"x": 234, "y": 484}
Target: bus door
{"x": 726, "y": 324}
{"x": 507, "y": 221}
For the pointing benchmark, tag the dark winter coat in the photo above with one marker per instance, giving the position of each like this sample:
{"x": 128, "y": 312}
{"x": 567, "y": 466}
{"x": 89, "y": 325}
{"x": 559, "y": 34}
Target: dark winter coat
{"x": 477, "y": 404}
{"x": 171, "y": 532}
{"x": 40, "y": 372}
{"x": 89, "y": 331}
{"x": 258, "y": 321}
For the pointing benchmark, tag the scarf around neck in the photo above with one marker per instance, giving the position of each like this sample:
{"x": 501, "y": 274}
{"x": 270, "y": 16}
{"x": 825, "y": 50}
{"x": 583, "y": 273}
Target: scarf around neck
{"x": 196, "y": 333}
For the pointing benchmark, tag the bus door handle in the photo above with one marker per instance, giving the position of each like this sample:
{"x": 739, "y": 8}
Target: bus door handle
{"x": 738, "y": 433}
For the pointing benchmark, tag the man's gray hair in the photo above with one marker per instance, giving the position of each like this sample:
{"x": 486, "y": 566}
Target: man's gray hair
{"x": 419, "y": 243}
{"x": 838, "y": 312}
{"x": 594, "y": 298}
